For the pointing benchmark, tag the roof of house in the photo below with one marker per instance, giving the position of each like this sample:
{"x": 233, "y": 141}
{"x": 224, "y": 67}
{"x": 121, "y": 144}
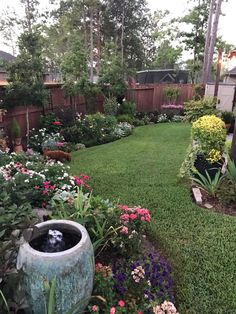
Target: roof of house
{"x": 232, "y": 72}
{"x": 6, "y": 56}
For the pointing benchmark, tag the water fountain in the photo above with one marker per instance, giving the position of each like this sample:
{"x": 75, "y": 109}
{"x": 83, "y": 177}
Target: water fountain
{"x": 59, "y": 249}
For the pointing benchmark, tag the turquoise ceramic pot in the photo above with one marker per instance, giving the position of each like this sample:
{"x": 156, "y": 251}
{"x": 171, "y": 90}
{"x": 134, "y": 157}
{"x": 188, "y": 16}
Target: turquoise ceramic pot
{"x": 73, "y": 269}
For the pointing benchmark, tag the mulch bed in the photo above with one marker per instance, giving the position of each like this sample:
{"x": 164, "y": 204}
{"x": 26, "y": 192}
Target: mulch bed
{"x": 217, "y": 206}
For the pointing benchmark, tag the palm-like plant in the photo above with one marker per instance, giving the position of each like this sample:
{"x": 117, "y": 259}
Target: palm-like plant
{"x": 208, "y": 184}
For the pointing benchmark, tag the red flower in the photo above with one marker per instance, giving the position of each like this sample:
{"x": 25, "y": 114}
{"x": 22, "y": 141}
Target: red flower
{"x": 56, "y": 123}
{"x": 140, "y": 312}
{"x": 121, "y": 303}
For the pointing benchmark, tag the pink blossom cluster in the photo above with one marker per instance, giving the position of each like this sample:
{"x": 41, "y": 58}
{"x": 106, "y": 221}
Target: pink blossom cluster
{"x": 134, "y": 213}
{"x": 172, "y": 106}
{"x": 105, "y": 271}
{"x": 60, "y": 144}
{"x": 46, "y": 188}
{"x": 82, "y": 180}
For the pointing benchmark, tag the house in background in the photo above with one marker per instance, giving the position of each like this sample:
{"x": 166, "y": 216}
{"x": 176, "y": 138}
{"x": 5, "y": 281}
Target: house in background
{"x": 230, "y": 76}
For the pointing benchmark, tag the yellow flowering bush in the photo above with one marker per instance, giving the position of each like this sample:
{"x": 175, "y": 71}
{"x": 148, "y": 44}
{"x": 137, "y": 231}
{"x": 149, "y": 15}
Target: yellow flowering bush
{"x": 209, "y": 134}
{"x": 214, "y": 156}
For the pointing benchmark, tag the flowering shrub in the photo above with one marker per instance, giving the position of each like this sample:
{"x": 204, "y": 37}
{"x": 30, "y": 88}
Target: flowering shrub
{"x": 209, "y": 133}
{"x": 38, "y": 181}
{"x": 123, "y": 129}
{"x": 133, "y": 286}
{"x": 162, "y": 118}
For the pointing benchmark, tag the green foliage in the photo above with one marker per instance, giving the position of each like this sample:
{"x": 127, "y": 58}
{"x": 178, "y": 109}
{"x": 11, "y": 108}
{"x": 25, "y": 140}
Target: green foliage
{"x": 13, "y": 219}
{"x": 111, "y": 76}
{"x": 127, "y": 107}
{"x": 227, "y": 192}
{"x": 50, "y": 289}
{"x": 207, "y": 183}
{"x": 51, "y": 123}
{"x": 171, "y": 93}
{"x": 91, "y": 130}
{"x": 110, "y": 106}
{"x": 15, "y": 129}
{"x": 227, "y": 116}
{"x": 167, "y": 57}
{"x": 194, "y": 109}
{"x": 25, "y": 74}
{"x": 125, "y": 118}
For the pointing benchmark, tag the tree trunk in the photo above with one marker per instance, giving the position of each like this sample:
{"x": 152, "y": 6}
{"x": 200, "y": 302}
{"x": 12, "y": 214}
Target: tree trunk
{"x": 91, "y": 44}
{"x": 27, "y": 124}
{"x": 98, "y": 42}
{"x": 122, "y": 36}
{"x": 207, "y": 43}
{"x": 233, "y": 148}
{"x": 213, "y": 38}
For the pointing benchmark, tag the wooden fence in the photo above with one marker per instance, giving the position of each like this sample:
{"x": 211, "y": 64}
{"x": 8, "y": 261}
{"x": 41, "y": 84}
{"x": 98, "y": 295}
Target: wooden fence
{"x": 150, "y": 97}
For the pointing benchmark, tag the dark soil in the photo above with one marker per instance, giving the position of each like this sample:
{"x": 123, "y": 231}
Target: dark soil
{"x": 217, "y": 205}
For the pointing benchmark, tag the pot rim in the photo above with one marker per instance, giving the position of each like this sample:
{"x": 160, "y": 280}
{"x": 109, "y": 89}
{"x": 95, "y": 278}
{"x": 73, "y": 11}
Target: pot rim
{"x": 81, "y": 229}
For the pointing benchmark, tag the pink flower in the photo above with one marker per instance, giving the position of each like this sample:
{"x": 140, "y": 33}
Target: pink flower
{"x": 121, "y": 303}
{"x": 46, "y": 184}
{"x": 36, "y": 187}
{"x": 143, "y": 218}
{"x": 133, "y": 216}
{"x": 98, "y": 266}
{"x": 43, "y": 204}
{"x": 56, "y": 123}
{"x": 94, "y": 308}
{"x": 86, "y": 177}
{"x": 124, "y": 230}
{"x": 124, "y": 217}
{"x": 112, "y": 310}
{"x": 52, "y": 187}
{"x": 60, "y": 144}
{"x": 140, "y": 312}
{"x": 124, "y": 207}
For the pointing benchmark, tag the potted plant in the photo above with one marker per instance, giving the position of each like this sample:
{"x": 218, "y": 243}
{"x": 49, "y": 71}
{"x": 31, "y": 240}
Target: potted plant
{"x": 16, "y": 136}
{"x": 227, "y": 117}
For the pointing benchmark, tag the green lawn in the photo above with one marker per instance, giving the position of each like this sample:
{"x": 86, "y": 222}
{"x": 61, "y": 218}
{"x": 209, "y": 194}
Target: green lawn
{"x": 201, "y": 245}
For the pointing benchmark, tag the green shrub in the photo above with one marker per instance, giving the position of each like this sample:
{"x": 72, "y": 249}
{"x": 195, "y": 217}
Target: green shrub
{"x": 171, "y": 93}
{"x": 91, "y": 130}
{"x": 125, "y": 118}
{"x": 209, "y": 133}
{"x": 227, "y": 191}
{"x": 127, "y": 107}
{"x": 227, "y": 116}
{"x": 110, "y": 106}
{"x": 194, "y": 109}
{"x": 15, "y": 129}
{"x": 51, "y": 123}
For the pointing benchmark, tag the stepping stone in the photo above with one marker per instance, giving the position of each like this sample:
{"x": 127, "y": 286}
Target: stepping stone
{"x": 197, "y": 195}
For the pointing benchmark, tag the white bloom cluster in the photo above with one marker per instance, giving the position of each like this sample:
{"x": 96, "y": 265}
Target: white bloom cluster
{"x": 138, "y": 273}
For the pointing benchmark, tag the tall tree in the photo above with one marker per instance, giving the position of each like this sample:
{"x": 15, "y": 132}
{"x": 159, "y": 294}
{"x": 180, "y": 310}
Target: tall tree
{"x": 207, "y": 42}
{"x": 25, "y": 75}
{"x": 194, "y": 40}
{"x": 213, "y": 38}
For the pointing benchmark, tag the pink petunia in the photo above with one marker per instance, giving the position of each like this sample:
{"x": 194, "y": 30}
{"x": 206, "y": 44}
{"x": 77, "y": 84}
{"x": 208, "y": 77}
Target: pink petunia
{"x": 124, "y": 230}
{"x": 133, "y": 216}
{"x": 121, "y": 303}
{"x": 94, "y": 308}
{"x": 112, "y": 310}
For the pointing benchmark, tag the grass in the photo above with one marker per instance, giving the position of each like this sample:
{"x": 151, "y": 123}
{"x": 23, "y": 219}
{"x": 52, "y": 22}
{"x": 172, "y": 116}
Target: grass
{"x": 201, "y": 245}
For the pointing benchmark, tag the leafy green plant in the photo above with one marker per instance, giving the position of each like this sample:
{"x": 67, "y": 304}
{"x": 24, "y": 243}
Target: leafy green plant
{"x": 50, "y": 295}
{"x": 194, "y": 109}
{"x": 171, "y": 93}
{"x": 110, "y": 106}
{"x": 207, "y": 183}
{"x": 125, "y": 118}
{"x": 231, "y": 170}
{"x": 227, "y": 116}
{"x": 15, "y": 129}
{"x": 127, "y": 107}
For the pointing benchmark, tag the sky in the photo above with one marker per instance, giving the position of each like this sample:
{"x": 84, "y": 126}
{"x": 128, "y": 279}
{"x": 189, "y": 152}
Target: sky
{"x": 176, "y": 7}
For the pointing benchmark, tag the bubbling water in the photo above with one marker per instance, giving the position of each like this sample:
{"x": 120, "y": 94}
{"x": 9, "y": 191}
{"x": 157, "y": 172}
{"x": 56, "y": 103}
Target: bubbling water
{"x": 55, "y": 241}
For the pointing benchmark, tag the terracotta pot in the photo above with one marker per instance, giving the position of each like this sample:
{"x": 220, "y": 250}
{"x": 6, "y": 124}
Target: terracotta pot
{"x": 17, "y": 145}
